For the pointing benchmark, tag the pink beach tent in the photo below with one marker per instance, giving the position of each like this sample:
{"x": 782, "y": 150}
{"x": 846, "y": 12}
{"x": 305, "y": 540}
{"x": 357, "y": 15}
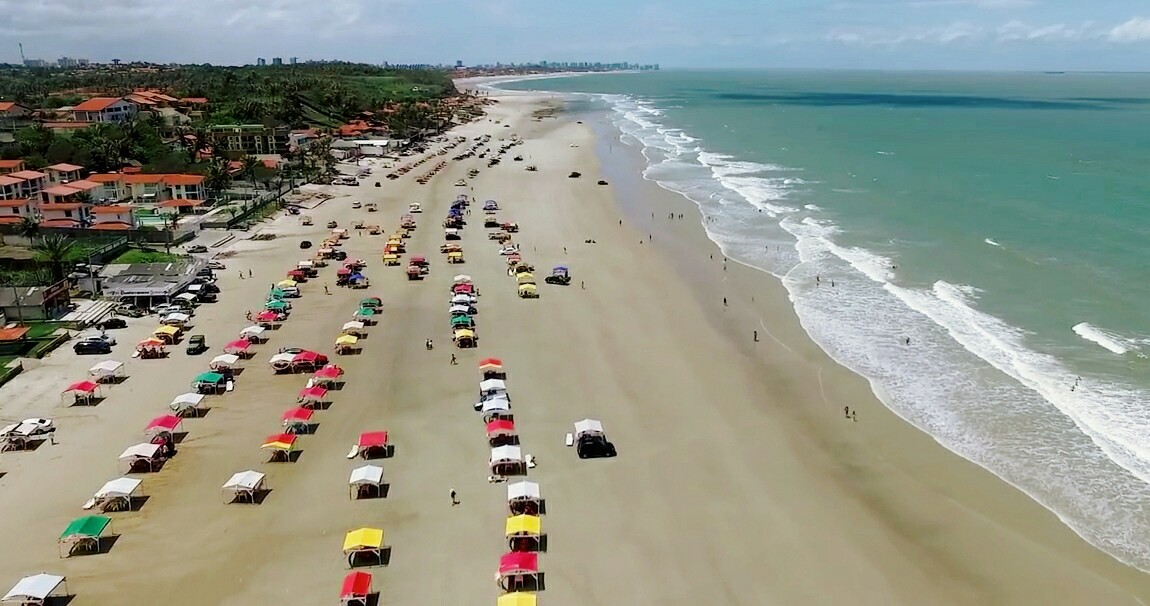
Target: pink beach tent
{"x": 356, "y": 588}
{"x": 83, "y": 387}
{"x": 372, "y": 439}
{"x": 312, "y": 394}
{"x": 518, "y": 562}
{"x": 237, "y": 347}
{"x": 166, "y": 423}
{"x": 500, "y": 427}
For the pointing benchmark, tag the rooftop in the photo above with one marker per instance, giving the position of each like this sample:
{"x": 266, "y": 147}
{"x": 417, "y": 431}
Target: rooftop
{"x": 11, "y": 163}
{"x": 28, "y": 174}
{"x": 65, "y": 168}
{"x": 96, "y": 104}
{"x": 149, "y": 279}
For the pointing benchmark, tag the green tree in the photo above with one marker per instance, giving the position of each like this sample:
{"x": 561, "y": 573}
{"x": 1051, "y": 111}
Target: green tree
{"x": 217, "y": 179}
{"x": 54, "y": 250}
{"x": 248, "y": 166}
{"x": 29, "y": 227}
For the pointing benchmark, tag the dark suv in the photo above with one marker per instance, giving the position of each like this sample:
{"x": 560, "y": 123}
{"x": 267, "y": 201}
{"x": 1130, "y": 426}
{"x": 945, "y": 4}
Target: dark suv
{"x": 91, "y": 347}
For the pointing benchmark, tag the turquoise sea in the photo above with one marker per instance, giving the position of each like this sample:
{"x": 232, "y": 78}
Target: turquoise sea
{"x": 1001, "y": 222}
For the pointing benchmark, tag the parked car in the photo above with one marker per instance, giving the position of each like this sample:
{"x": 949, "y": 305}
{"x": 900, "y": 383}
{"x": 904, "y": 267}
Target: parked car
{"x": 197, "y": 248}
{"x": 356, "y": 204}
{"x": 339, "y": 255}
{"x": 131, "y": 311}
{"x": 197, "y": 344}
{"x": 112, "y": 323}
{"x": 305, "y": 244}
{"x": 216, "y": 265}
{"x": 92, "y": 347}
{"x": 109, "y": 339}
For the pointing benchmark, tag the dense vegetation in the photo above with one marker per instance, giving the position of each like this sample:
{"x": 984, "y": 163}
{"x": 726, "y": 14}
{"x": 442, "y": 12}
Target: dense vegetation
{"x": 323, "y": 94}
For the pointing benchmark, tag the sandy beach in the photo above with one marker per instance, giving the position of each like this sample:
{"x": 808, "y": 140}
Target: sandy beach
{"x": 738, "y": 479}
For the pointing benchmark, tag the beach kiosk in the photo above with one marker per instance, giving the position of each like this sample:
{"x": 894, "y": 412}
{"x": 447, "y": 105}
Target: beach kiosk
{"x": 141, "y": 457}
{"x": 281, "y": 446}
{"x": 312, "y": 397}
{"x": 524, "y": 533}
{"x": 507, "y": 461}
{"x": 115, "y": 495}
{"x": 364, "y": 544}
{"x": 356, "y": 589}
{"x": 501, "y": 432}
{"x": 524, "y": 498}
{"x": 84, "y": 534}
{"x": 239, "y": 347}
{"x": 244, "y": 486}
{"x": 108, "y": 371}
{"x": 82, "y": 392}
{"x": 187, "y": 404}
{"x": 366, "y": 481}
{"x": 298, "y": 420}
{"x": 36, "y": 589}
{"x": 519, "y": 571}
{"x": 517, "y": 598}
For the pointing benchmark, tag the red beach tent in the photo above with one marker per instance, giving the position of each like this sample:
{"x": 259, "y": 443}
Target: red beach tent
{"x": 518, "y": 562}
{"x": 267, "y": 316}
{"x": 490, "y": 364}
{"x": 300, "y": 415}
{"x": 356, "y": 587}
{"x": 237, "y": 347}
{"x": 312, "y": 394}
{"x": 500, "y": 427}
{"x": 166, "y": 423}
{"x": 372, "y": 439}
{"x": 85, "y": 387}
{"x": 331, "y": 371}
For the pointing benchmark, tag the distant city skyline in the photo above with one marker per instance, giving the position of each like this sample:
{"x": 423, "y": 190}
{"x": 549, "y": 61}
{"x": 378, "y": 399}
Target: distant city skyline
{"x": 872, "y": 34}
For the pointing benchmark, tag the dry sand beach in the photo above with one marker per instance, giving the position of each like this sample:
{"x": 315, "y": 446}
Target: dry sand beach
{"x": 737, "y": 482}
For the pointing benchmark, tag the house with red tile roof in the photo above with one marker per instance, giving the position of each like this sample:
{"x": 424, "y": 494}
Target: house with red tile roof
{"x": 104, "y": 109}
{"x": 10, "y": 187}
{"x": 14, "y": 211}
{"x": 66, "y": 126}
{"x": 32, "y": 182}
{"x": 10, "y": 166}
{"x": 13, "y": 116}
{"x": 112, "y": 216}
{"x": 147, "y": 187}
{"x": 63, "y": 173}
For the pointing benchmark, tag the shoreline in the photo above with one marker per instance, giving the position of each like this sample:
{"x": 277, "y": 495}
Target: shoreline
{"x": 974, "y": 491}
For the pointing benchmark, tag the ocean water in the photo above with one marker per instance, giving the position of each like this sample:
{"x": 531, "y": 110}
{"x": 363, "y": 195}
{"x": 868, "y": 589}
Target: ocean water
{"x": 1001, "y": 222}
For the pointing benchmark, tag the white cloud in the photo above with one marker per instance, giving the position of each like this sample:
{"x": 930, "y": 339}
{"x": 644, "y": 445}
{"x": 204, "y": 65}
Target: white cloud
{"x": 978, "y": 3}
{"x": 880, "y": 37}
{"x": 1134, "y": 30}
{"x": 1016, "y": 31}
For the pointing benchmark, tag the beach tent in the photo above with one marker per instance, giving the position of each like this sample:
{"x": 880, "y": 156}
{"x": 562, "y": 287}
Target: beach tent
{"x": 253, "y": 332}
{"x": 238, "y": 347}
{"x": 273, "y": 305}
{"x": 175, "y": 319}
{"x": 500, "y": 427}
{"x": 276, "y": 293}
{"x": 491, "y": 364}
{"x": 328, "y": 374}
{"x": 162, "y": 425}
{"x": 364, "y": 312}
{"x": 281, "y": 446}
{"x": 461, "y": 299}
{"x": 524, "y": 498}
{"x": 363, "y": 542}
{"x": 463, "y": 289}
{"x": 244, "y": 485}
{"x": 345, "y": 343}
{"x": 524, "y": 532}
{"x": 311, "y": 396}
{"x": 588, "y": 427}
{"x": 525, "y": 278}
{"x": 208, "y": 382}
{"x": 353, "y": 328}
{"x": 459, "y": 309}
{"x": 151, "y": 345}
{"x": 281, "y": 361}
{"x": 462, "y": 279}
{"x": 224, "y": 361}
{"x": 167, "y": 334}
{"x": 115, "y": 494}
{"x": 84, "y": 534}
{"x": 146, "y": 453}
{"x": 371, "y": 302}
{"x": 343, "y": 271}
{"x": 356, "y": 588}
{"x": 286, "y": 284}
{"x": 268, "y": 316}
{"x": 461, "y": 321}
{"x": 506, "y": 460}
{"x": 493, "y": 408}
{"x": 34, "y": 589}
{"x": 517, "y": 568}
{"x": 366, "y": 479}
{"x": 297, "y": 420}
{"x": 82, "y": 391}
{"x": 187, "y": 404}
{"x": 372, "y": 443}
{"x": 308, "y": 359}
{"x": 108, "y": 370}
{"x": 517, "y": 598}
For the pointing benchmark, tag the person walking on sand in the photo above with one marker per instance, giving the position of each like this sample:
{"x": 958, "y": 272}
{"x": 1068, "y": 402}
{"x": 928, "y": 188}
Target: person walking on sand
{"x": 756, "y": 336}
{"x": 582, "y": 285}
{"x": 241, "y": 275}
{"x": 854, "y": 416}
{"x": 724, "y": 301}
{"x": 249, "y": 273}
{"x": 847, "y": 412}
{"x": 453, "y": 360}
{"x": 454, "y": 500}
{"x": 325, "y": 289}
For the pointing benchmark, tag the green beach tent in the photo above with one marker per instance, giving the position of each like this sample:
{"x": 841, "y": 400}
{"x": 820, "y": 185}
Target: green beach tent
{"x": 276, "y": 293}
{"x": 213, "y": 378}
{"x": 365, "y": 311}
{"x": 460, "y": 321}
{"x": 372, "y": 302}
{"x": 276, "y": 305}
{"x": 85, "y": 533}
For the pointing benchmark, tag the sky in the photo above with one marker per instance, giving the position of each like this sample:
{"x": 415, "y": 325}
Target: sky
{"x": 865, "y": 34}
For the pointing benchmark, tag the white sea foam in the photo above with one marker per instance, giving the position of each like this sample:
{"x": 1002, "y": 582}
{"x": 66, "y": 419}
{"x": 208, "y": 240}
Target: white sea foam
{"x": 1111, "y": 341}
{"x": 980, "y": 386}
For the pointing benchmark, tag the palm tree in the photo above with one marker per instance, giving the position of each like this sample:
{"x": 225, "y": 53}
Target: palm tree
{"x": 217, "y": 179}
{"x": 170, "y": 221}
{"x": 248, "y": 166}
{"x": 54, "y": 250}
{"x": 29, "y": 227}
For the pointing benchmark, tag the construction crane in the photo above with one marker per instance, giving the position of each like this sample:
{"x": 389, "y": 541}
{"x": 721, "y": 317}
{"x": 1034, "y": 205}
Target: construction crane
{"x": 23, "y": 60}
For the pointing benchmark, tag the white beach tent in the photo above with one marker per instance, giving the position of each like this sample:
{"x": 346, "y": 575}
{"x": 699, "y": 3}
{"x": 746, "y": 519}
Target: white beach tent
{"x": 506, "y": 454}
{"x": 281, "y": 360}
{"x": 459, "y": 309}
{"x": 107, "y": 368}
{"x": 244, "y": 485}
{"x": 34, "y": 589}
{"x": 524, "y": 490}
{"x": 224, "y": 361}
{"x": 462, "y": 279}
{"x": 492, "y": 386}
{"x": 139, "y": 452}
{"x": 253, "y": 331}
{"x": 588, "y": 427}
{"x": 368, "y": 476}
{"x": 115, "y": 494}
{"x": 185, "y": 403}
{"x": 353, "y": 328}
{"x": 461, "y": 299}
{"x": 495, "y": 405}
{"x": 176, "y": 318}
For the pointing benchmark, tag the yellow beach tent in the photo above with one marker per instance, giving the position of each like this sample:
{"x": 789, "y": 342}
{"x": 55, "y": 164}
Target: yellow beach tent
{"x": 517, "y": 598}
{"x": 523, "y": 525}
